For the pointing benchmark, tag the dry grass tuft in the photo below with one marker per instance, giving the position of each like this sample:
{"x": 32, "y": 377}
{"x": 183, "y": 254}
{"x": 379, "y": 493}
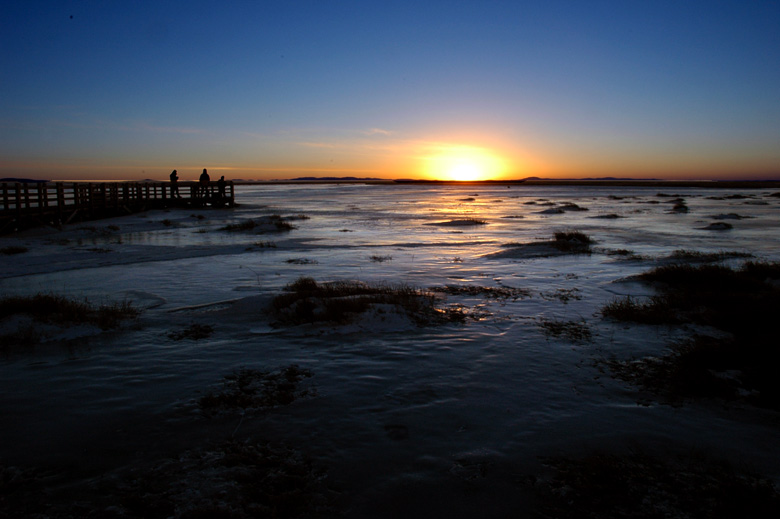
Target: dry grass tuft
{"x": 742, "y": 302}
{"x": 306, "y": 301}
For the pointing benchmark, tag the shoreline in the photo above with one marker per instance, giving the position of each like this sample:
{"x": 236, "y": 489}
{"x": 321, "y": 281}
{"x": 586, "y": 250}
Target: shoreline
{"x": 598, "y": 182}
{"x": 716, "y": 184}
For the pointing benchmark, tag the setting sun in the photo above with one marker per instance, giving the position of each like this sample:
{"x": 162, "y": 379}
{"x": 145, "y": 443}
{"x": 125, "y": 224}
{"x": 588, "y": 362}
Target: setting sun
{"x": 464, "y": 163}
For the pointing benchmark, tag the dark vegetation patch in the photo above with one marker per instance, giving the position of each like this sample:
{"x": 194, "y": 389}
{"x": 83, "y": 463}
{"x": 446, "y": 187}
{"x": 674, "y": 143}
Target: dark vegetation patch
{"x": 262, "y": 245}
{"x": 465, "y": 222}
{"x": 61, "y": 311}
{"x": 301, "y": 261}
{"x": 625, "y": 254}
{"x": 489, "y": 292}
{"x": 564, "y": 295}
{"x": 575, "y": 331}
{"x": 563, "y": 242}
{"x": 639, "y": 486}
{"x": 252, "y": 390}
{"x": 679, "y": 206}
{"x": 718, "y": 226}
{"x": 380, "y": 259}
{"x": 306, "y": 301}
{"x": 270, "y": 223}
{"x": 571, "y": 206}
{"x": 739, "y": 363}
{"x": 688, "y": 255}
{"x": 729, "y": 216}
{"x": 571, "y": 241}
{"x": 232, "y": 479}
{"x": 193, "y": 332}
{"x": 9, "y": 251}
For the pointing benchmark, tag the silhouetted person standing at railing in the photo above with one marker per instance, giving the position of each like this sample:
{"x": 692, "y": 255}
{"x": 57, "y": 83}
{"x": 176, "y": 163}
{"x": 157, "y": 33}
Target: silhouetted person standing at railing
{"x": 175, "y": 185}
{"x": 204, "y": 183}
{"x": 221, "y": 186}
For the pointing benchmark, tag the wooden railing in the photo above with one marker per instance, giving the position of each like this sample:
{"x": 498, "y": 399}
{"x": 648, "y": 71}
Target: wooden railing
{"x": 28, "y": 203}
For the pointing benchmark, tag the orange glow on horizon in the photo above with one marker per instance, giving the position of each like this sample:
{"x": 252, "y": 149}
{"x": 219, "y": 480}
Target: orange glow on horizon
{"x": 464, "y": 163}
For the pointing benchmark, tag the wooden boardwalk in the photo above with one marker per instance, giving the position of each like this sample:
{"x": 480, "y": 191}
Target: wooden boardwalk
{"x": 31, "y": 204}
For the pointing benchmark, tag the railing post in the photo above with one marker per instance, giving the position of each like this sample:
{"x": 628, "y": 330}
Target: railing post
{"x": 40, "y": 198}
{"x": 27, "y": 197}
{"x": 18, "y": 188}
{"x": 60, "y": 200}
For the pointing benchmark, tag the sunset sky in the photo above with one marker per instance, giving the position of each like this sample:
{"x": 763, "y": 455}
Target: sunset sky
{"x": 447, "y": 89}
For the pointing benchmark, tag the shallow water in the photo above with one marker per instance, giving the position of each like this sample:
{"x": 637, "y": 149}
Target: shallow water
{"x": 420, "y": 421}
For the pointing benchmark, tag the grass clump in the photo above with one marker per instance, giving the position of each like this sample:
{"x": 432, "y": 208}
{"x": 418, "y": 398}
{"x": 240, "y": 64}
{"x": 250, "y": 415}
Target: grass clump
{"x": 59, "y": 311}
{"x": 301, "y": 261}
{"x": 193, "y": 332}
{"x": 306, "y": 301}
{"x": 653, "y": 310}
{"x": 488, "y": 292}
{"x": 51, "y": 308}
{"x": 575, "y": 331}
{"x": 464, "y": 222}
{"x": 687, "y": 255}
{"x": 571, "y": 241}
{"x": 742, "y": 302}
{"x": 271, "y": 223}
{"x": 252, "y": 389}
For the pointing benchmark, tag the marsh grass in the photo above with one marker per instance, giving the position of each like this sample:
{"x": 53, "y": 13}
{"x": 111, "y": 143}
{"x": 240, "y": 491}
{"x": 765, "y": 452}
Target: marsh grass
{"x": 566, "y": 242}
{"x": 575, "y": 331}
{"x": 262, "y": 245}
{"x": 252, "y": 389}
{"x": 512, "y": 293}
{"x": 58, "y": 309}
{"x": 301, "y": 261}
{"x": 640, "y": 486}
{"x": 193, "y": 332}
{"x": 571, "y": 206}
{"x": 687, "y": 255}
{"x": 460, "y": 222}
{"x": 742, "y": 302}
{"x": 653, "y": 310}
{"x": 271, "y": 222}
{"x": 571, "y": 241}
{"x": 564, "y": 295}
{"x": 380, "y": 259}
{"x": 306, "y": 301}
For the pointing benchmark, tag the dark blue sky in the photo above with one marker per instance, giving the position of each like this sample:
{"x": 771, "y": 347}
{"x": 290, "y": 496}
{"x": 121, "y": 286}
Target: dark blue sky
{"x": 395, "y": 89}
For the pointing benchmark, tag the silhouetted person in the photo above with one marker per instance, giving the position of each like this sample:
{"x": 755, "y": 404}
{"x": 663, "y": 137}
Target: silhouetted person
{"x": 174, "y": 184}
{"x": 204, "y": 183}
{"x": 221, "y": 186}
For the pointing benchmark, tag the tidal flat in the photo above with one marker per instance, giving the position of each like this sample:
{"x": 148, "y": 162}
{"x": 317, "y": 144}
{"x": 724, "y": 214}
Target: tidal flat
{"x": 348, "y": 351}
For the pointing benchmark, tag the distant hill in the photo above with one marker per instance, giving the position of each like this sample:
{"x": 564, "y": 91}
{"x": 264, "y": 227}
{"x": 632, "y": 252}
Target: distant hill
{"x": 22, "y": 180}
{"x": 335, "y": 178}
